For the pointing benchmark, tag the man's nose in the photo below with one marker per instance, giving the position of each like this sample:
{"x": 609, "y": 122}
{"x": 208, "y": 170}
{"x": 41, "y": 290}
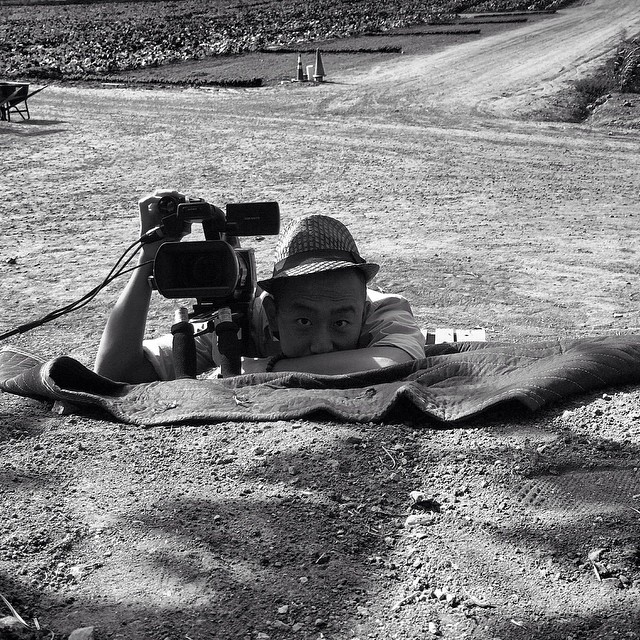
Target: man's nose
{"x": 321, "y": 342}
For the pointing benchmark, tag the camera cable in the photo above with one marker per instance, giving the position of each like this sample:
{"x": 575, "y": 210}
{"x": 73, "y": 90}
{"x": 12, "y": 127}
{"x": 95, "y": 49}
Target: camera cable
{"x": 118, "y": 269}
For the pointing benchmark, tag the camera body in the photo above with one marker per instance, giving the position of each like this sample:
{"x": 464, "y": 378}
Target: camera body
{"x": 211, "y": 271}
{"x": 216, "y": 271}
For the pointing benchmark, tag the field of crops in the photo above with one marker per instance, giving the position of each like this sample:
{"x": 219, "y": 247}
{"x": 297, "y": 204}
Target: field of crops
{"x": 76, "y": 40}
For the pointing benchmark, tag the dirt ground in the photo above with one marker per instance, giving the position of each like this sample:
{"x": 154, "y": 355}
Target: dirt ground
{"x": 483, "y": 210}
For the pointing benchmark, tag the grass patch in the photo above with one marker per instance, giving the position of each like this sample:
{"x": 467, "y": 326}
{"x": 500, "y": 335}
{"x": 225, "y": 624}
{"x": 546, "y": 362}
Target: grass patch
{"x": 308, "y": 50}
{"x": 243, "y": 83}
{"x": 591, "y": 90}
{"x": 621, "y": 73}
{"x": 626, "y": 66}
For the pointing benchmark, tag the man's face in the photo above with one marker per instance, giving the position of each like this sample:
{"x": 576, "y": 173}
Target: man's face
{"x": 320, "y": 313}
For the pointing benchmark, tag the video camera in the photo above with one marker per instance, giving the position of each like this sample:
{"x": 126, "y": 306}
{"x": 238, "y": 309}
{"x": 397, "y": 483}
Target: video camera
{"x": 217, "y": 272}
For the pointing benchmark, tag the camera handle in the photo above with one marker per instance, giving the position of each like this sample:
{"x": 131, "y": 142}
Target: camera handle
{"x": 229, "y": 345}
{"x": 184, "y": 345}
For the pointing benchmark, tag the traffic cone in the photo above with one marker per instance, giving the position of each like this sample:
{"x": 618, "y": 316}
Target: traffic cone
{"x": 300, "y": 73}
{"x": 319, "y": 74}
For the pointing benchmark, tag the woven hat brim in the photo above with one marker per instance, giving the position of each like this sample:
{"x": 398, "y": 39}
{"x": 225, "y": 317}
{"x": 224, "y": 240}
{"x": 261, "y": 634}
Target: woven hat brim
{"x": 369, "y": 269}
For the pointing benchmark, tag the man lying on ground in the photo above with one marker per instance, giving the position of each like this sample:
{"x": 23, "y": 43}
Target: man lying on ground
{"x": 315, "y": 314}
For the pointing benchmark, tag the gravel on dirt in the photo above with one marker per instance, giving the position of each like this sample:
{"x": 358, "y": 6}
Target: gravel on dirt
{"x": 512, "y": 525}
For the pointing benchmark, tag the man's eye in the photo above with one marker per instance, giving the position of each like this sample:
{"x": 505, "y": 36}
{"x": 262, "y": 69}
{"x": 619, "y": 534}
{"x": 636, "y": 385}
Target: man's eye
{"x": 303, "y": 322}
{"x": 342, "y": 323}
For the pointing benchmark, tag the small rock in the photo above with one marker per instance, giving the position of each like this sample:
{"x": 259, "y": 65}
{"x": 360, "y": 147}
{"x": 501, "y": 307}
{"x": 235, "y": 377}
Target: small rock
{"x": 631, "y": 553}
{"x": 320, "y": 623}
{"x": 9, "y": 622}
{"x": 283, "y": 610}
{"x": 418, "y": 520}
{"x": 614, "y": 583}
{"x": 281, "y": 626}
{"x": 298, "y": 626}
{"x": 78, "y": 571}
{"x": 433, "y": 629}
{"x": 595, "y": 554}
{"x": 83, "y": 633}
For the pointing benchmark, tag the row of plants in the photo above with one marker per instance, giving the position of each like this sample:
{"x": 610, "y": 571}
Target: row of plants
{"x": 626, "y": 66}
{"x": 234, "y": 82}
{"x": 62, "y": 41}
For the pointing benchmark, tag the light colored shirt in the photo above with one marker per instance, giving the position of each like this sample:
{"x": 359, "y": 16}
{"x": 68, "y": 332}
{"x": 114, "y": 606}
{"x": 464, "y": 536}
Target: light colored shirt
{"x": 388, "y": 322}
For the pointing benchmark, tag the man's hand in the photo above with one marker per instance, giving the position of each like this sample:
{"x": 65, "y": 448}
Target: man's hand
{"x": 254, "y": 365}
{"x": 150, "y": 218}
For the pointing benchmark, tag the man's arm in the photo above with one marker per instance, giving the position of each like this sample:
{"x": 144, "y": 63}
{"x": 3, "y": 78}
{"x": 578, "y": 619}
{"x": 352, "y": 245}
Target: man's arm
{"x": 351, "y": 361}
{"x": 120, "y": 355}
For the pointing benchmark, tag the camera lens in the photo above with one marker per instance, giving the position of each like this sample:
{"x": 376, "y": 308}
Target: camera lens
{"x": 209, "y": 270}
{"x": 206, "y": 269}
{"x": 168, "y": 206}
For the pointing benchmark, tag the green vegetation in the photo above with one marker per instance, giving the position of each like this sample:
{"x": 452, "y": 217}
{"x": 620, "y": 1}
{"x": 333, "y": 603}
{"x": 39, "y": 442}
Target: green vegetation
{"x": 77, "y": 39}
{"x": 626, "y": 66}
{"x": 620, "y": 74}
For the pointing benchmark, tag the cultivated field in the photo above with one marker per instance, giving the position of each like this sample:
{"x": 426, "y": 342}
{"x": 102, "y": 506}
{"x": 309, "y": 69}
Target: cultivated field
{"x": 61, "y": 40}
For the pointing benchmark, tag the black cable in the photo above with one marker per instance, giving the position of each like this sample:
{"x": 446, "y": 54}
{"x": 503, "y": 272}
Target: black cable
{"x": 87, "y": 298}
{"x": 118, "y": 269}
{"x": 81, "y": 302}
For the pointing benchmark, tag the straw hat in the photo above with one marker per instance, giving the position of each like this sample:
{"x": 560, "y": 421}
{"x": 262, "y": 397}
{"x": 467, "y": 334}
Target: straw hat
{"x": 313, "y": 244}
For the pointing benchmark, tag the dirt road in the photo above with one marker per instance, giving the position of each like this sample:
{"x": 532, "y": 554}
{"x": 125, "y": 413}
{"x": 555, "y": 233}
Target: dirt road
{"x": 511, "y": 73}
{"x": 285, "y": 530}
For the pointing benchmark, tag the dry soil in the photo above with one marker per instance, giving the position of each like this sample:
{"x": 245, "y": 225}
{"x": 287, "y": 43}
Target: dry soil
{"x": 483, "y": 210}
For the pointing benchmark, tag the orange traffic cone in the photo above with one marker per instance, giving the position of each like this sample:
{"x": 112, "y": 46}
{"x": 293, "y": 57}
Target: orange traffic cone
{"x": 319, "y": 74}
{"x": 300, "y": 72}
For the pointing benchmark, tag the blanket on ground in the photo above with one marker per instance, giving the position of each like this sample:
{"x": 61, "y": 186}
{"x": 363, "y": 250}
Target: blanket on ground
{"x": 453, "y": 382}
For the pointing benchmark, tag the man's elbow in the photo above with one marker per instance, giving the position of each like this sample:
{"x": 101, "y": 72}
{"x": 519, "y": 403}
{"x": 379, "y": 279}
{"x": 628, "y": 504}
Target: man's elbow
{"x": 129, "y": 372}
{"x": 389, "y": 356}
